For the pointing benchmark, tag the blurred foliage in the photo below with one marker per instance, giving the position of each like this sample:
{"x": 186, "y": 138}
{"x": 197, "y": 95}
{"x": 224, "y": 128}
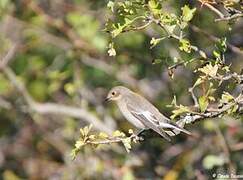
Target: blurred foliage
{"x": 183, "y": 56}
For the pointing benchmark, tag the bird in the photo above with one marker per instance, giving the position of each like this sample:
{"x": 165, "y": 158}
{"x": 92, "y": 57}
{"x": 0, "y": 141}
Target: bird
{"x": 142, "y": 114}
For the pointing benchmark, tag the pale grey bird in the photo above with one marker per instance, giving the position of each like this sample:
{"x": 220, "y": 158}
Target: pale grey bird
{"x": 141, "y": 113}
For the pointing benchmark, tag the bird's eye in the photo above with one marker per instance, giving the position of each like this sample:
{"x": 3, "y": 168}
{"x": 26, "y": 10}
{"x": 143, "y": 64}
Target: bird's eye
{"x": 113, "y": 93}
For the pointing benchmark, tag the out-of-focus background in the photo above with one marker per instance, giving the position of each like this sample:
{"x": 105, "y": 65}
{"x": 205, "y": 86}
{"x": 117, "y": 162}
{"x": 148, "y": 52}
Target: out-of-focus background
{"x": 58, "y": 72}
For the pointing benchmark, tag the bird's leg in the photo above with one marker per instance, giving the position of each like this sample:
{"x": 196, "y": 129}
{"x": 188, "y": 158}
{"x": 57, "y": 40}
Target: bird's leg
{"x": 140, "y": 132}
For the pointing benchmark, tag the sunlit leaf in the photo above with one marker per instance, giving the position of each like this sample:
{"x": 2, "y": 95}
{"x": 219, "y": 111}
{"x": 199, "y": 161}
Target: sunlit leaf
{"x": 187, "y": 13}
{"x": 203, "y": 103}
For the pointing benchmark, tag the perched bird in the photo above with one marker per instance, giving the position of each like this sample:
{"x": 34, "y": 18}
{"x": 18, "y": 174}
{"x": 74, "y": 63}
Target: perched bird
{"x": 141, "y": 113}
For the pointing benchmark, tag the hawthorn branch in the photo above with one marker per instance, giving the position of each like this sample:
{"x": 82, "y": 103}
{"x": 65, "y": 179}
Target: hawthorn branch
{"x": 53, "y": 108}
{"x": 10, "y": 54}
{"x": 226, "y": 150}
{"x": 178, "y": 38}
{"x": 110, "y": 140}
{"x": 228, "y": 18}
{"x": 212, "y": 8}
{"x": 213, "y": 38}
{"x": 212, "y": 113}
{"x": 191, "y": 90}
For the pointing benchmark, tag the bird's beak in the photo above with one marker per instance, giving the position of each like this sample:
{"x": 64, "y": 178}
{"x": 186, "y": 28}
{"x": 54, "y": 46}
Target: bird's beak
{"x": 107, "y": 99}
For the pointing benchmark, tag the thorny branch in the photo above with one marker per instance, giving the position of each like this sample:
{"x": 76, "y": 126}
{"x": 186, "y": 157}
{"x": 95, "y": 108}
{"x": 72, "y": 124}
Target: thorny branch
{"x": 212, "y": 113}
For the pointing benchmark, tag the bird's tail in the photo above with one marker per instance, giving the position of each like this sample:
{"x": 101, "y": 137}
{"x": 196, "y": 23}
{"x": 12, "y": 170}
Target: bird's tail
{"x": 174, "y": 128}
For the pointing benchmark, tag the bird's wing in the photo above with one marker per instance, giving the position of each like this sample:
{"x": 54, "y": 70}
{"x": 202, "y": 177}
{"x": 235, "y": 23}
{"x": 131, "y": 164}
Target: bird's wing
{"x": 147, "y": 119}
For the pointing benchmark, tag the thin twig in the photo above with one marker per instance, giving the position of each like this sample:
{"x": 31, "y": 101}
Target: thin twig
{"x": 5, "y": 60}
{"x": 216, "y": 39}
{"x": 194, "y": 117}
{"x": 212, "y": 8}
{"x": 53, "y": 108}
{"x": 228, "y": 18}
{"x": 191, "y": 90}
{"x": 114, "y": 140}
{"x": 178, "y": 38}
{"x": 225, "y": 147}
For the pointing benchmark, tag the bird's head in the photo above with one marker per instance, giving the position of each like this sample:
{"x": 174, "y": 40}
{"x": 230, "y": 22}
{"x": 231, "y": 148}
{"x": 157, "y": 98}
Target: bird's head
{"x": 116, "y": 93}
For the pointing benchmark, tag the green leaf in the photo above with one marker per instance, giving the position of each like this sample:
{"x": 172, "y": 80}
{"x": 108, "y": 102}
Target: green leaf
{"x": 155, "y": 7}
{"x": 79, "y": 144}
{"x": 179, "y": 111}
{"x": 103, "y": 135}
{"x": 85, "y": 131}
{"x": 155, "y": 41}
{"x": 203, "y": 103}
{"x": 156, "y": 61}
{"x": 216, "y": 54}
{"x": 221, "y": 45}
{"x": 118, "y": 134}
{"x": 70, "y": 88}
{"x": 187, "y": 13}
{"x": 38, "y": 89}
{"x": 226, "y": 98}
{"x": 185, "y": 45}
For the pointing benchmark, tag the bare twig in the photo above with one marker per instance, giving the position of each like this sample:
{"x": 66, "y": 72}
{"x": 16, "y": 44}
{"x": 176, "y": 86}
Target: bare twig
{"x": 235, "y": 76}
{"x": 228, "y": 18}
{"x": 8, "y": 56}
{"x": 114, "y": 140}
{"x": 225, "y": 147}
{"x": 53, "y": 108}
{"x": 212, "y": 8}
{"x": 178, "y": 38}
{"x": 194, "y": 117}
{"x": 191, "y": 90}
{"x": 216, "y": 39}
{"x": 174, "y": 66}
{"x": 137, "y": 28}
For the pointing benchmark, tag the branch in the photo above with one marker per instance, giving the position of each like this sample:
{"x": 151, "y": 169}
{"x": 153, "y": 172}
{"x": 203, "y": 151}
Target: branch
{"x": 138, "y": 28}
{"x": 212, "y": 8}
{"x": 226, "y": 149}
{"x": 212, "y": 113}
{"x": 216, "y": 39}
{"x": 98, "y": 139}
{"x": 228, "y": 18}
{"x": 234, "y": 75}
{"x": 178, "y": 38}
{"x": 53, "y": 108}
{"x": 191, "y": 90}
{"x": 5, "y": 60}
